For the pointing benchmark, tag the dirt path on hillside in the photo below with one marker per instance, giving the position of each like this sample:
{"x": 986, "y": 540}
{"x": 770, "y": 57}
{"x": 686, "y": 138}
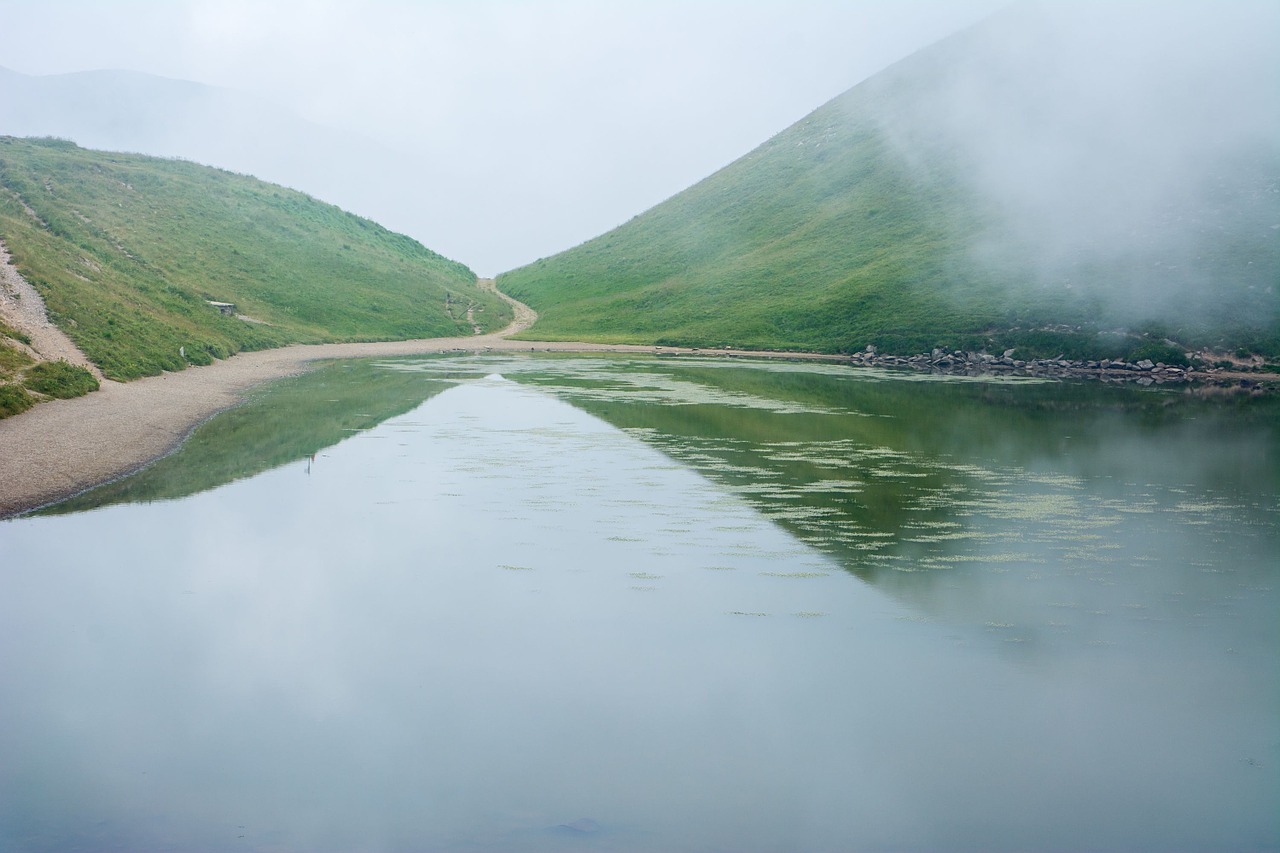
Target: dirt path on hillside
{"x": 524, "y": 315}
{"x": 62, "y": 447}
{"x": 22, "y": 308}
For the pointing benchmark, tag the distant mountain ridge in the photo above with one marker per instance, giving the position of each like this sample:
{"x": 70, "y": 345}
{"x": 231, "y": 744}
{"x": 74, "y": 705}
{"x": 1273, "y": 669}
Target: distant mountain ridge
{"x": 131, "y": 111}
{"x": 1045, "y": 180}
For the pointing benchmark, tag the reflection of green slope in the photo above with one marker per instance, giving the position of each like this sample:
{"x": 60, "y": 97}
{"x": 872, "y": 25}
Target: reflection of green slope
{"x": 851, "y": 475}
{"x": 289, "y": 420}
{"x": 897, "y": 478}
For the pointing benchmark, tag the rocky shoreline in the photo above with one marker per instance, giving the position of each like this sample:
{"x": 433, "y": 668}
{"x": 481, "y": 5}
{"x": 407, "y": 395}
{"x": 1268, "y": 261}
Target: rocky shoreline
{"x": 61, "y": 447}
{"x": 1144, "y": 372}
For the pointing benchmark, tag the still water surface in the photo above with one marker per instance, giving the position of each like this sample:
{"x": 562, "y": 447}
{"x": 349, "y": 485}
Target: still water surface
{"x": 576, "y": 603}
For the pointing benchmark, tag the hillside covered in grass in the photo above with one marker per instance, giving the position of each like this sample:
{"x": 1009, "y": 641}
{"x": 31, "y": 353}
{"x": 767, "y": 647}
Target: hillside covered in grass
{"x": 24, "y": 381}
{"x": 992, "y": 191}
{"x": 129, "y": 252}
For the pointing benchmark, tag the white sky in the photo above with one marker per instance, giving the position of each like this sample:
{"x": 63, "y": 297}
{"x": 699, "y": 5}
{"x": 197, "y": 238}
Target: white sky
{"x": 547, "y": 122}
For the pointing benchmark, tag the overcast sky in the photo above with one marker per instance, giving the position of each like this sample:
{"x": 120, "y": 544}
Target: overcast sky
{"x": 546, "y": 122}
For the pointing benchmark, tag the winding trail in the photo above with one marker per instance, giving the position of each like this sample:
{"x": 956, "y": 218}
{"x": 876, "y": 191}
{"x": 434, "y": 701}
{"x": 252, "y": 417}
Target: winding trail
{"x": 524, "y": 315}
{"x": 62, "y": 447}
{"x": 23, "y": 309}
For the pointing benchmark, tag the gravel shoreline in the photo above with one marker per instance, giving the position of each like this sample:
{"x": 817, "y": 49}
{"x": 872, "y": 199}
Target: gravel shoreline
{"x": 63, "y": 447}
{"x": 60, "y": 448}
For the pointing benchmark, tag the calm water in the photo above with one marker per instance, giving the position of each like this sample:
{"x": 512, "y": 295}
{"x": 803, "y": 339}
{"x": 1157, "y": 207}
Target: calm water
{"x": 519, "y": 603}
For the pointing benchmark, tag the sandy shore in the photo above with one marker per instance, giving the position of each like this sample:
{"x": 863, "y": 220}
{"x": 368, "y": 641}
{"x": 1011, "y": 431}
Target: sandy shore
{"x": 62, "y": 447}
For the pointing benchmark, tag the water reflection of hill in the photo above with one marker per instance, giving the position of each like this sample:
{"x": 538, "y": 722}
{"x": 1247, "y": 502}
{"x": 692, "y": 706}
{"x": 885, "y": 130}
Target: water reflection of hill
{"x": 950, "y": 494}
{"x": 293, "y": 420}
{"x": 916, "y": 485}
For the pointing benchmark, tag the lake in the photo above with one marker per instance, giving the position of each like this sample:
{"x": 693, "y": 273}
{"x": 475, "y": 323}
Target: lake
{"x": 544, "y": 603}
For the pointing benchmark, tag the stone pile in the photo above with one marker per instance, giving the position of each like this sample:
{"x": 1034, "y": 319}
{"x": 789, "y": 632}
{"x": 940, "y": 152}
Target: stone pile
{"x": 1145, "y": 372}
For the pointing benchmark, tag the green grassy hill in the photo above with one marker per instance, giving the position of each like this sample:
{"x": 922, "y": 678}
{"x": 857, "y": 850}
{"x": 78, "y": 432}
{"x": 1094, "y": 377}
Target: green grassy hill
{"x": 884, "y": 218}
{"x": 128, "y": 251}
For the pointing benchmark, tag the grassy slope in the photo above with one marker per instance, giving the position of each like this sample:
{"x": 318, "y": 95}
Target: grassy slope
{"x": 827, "y": 238}
{"x": 25, "y": 381}
{"x": 13, "y": 362}
{"x": 127, "y": 250}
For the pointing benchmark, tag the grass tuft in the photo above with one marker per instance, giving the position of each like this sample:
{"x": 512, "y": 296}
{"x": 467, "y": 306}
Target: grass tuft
{"x": 14, "y": 399}
{"x": 59, "y": 379}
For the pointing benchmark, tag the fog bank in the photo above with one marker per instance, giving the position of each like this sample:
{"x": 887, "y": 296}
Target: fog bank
{"x": 1124, "y": 149}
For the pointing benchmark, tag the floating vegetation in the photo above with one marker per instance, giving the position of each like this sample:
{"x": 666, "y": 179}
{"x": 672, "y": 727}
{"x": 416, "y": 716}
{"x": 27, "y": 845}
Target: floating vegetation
{"x": 945, "y": 537}
{"x": 609, "y": 379}
{"x": 803, "y": 513}
{"x": 985, "y": 558}
{"x": 745, "y": 613}
{"x": 828, "y": 486}
{"x": 510, "y": 568}
{"x": 914, "y": 497}
{"x": 1206, "y": 507}
{"x": 809, "y": 614}
{"x": 1064, "y": 481}
{"x": 896, "y": 472}
{"x": 929, "y": 524}
{"x": 794, "y": 574}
